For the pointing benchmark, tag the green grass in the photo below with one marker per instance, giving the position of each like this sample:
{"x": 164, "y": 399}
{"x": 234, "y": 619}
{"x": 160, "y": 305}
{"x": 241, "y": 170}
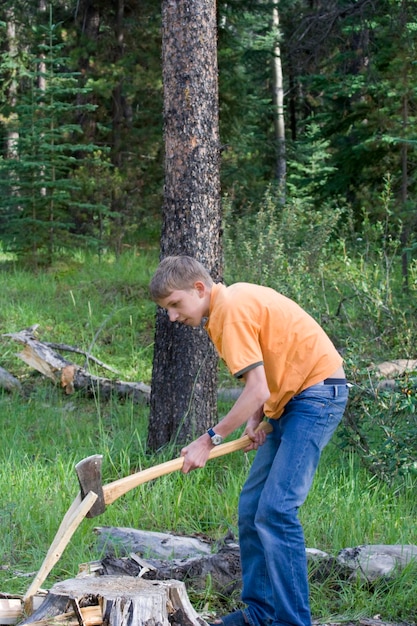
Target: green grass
{"x": 347, "y": 507}
{"x": 104, "y": 308}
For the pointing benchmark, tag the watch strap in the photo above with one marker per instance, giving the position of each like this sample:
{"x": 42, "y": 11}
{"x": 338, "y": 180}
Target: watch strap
{"x": 216, "y": 439}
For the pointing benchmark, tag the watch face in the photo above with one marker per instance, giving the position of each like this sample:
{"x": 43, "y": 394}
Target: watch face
{"x": 216, "y": 439}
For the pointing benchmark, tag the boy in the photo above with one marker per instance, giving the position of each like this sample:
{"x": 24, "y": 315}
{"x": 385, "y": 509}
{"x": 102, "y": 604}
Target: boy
{"x": 293, "y": 375}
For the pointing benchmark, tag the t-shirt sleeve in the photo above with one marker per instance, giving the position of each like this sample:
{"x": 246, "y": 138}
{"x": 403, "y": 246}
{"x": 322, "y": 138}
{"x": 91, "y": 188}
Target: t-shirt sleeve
{"x": 241, "y": 349}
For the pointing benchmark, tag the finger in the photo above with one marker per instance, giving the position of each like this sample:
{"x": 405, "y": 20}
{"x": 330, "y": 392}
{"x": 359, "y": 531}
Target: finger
{"x": 186, "y": 468}
{"x": 250, "y": 432}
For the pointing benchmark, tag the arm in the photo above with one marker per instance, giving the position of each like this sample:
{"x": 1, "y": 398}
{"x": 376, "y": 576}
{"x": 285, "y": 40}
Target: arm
{"x": 247, "y": 408}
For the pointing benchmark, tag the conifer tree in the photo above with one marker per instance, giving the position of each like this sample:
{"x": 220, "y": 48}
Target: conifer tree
{"x": 38, "y": 182}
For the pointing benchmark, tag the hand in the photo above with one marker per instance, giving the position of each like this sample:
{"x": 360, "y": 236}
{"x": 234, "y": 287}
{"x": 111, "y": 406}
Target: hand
{"x": 258, "y": 437}
{"x": 196, "y": 453}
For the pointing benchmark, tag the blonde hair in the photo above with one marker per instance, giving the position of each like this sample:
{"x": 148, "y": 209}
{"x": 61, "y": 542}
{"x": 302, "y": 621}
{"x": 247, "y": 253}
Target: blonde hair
{"x": 177, "y": 273}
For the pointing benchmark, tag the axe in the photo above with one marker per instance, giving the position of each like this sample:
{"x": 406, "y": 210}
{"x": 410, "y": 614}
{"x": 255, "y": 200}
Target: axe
{"x": 94, "y": 497}
{"x": 89, "y": 473}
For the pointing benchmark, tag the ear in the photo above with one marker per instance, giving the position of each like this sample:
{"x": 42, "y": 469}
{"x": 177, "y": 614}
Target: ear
{"x": 200, "y": 288}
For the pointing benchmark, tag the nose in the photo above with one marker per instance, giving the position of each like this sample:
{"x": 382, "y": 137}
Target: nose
{"x": 173, "y": 315}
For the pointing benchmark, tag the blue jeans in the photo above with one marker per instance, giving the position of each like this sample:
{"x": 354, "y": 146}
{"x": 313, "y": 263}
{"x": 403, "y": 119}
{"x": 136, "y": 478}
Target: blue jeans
{"x": 273, "y": 555}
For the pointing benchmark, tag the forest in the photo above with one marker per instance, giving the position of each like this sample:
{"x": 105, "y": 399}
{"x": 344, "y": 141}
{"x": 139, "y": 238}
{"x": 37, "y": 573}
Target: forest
{"x": 81, "y": 123}
{"x": 305, "y": 111}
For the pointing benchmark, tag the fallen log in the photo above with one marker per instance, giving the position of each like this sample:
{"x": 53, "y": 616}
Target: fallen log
{"x": 370, "y": 562}
{"x": 167, "y": 556}
{"x": 189, "y": 560}
{"x": 150, "y": 544}
{"x": 222, "y": 569}
{"x": 81, "y": 604}
{"x": 395, "y": 367}
{"x": 44, "y": 358}
{"x": 63, "y": 347}
{"x": 70, "y": 376}
{"x": 9, "y": 382}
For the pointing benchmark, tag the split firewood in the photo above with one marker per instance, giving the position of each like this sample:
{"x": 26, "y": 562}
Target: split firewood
{"x": 11, "y": 610}
{"x": 72, "y": 377}
{"x": 11, "y": 607}
{"x": 117, "y": 601}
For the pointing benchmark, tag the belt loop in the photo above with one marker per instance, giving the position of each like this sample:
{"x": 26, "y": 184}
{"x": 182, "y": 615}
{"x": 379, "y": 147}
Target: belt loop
{"x": 336, "y": 391}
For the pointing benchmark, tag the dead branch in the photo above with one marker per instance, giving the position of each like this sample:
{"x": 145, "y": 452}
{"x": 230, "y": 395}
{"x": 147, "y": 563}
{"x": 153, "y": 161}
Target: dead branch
{"x": 89, "y": 357}
{"x": 70, "y": 376}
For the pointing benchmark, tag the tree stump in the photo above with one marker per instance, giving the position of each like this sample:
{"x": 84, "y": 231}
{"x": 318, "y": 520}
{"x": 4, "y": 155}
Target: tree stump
{"x": 119, "y": 601}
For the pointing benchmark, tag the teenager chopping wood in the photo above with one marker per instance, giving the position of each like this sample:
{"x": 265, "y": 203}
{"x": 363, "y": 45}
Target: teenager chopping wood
{"x": 294, "y": 376}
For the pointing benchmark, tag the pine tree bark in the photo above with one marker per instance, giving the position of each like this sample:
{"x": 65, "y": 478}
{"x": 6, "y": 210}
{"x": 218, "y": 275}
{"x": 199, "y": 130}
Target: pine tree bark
{"x": 184, "y": 380}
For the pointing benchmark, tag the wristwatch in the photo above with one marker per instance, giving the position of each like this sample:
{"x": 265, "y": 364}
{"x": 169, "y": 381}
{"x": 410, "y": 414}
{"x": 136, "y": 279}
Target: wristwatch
{"x": 215, "y": 438}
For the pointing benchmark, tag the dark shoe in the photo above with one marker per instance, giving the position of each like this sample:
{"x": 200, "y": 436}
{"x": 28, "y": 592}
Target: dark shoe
{"x": 237, "y": 618}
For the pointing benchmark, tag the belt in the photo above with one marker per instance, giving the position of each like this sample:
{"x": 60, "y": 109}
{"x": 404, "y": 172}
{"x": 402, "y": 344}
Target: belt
{"x": 334, "y": 381}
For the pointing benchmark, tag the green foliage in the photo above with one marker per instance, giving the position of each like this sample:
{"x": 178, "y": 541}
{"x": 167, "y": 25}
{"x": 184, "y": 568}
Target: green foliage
{"x": 365, "y": 104}
{"x": 346, "y": 507}
{"x": 122, "y": 66}
{"x": 371, "y": 302}
{"x": 280, "y": 246}
{"x": 90, "y": 155}
{"x": 309, "y": 169}
{"x": 350, "y": 103}
{"x": 350, "y": 107}
{"x": 381, "y": 426}
{"x": 246, "y": 111}
{"x": 39, "y": 208}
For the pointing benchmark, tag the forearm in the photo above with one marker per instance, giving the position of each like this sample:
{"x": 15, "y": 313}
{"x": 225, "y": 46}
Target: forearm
{"x": 249, "y": 404}
{"x": 246, "y": 407}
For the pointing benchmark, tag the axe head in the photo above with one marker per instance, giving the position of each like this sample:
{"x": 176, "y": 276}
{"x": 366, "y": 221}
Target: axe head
{"x": 89, "y": 476}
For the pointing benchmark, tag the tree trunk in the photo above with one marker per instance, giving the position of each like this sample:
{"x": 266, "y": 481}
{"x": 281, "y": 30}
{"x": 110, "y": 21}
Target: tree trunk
{"x": 404, "y": 193}
{"x": 88, "y": 21}
{"x": 281, "y": 166}
{"x": 12, "y": 90}
{"x": 184, "y": 379}
{"x": 406, "y": 226}
{"x": 117, "y": 200}
{"x": 118, "y": 601}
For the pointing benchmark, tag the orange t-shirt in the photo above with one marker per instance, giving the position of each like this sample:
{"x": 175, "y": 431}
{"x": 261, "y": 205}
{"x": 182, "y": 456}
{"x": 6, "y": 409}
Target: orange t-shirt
{"x": 251, "y": 325}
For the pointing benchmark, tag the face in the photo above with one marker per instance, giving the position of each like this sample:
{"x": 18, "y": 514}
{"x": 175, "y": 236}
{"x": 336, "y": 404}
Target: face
{"x": 187, "y": 306}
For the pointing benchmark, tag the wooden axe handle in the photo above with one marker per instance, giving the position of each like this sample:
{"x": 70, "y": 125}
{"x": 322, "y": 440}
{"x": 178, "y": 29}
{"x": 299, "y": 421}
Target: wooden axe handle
{"x": 118, "y": 488}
